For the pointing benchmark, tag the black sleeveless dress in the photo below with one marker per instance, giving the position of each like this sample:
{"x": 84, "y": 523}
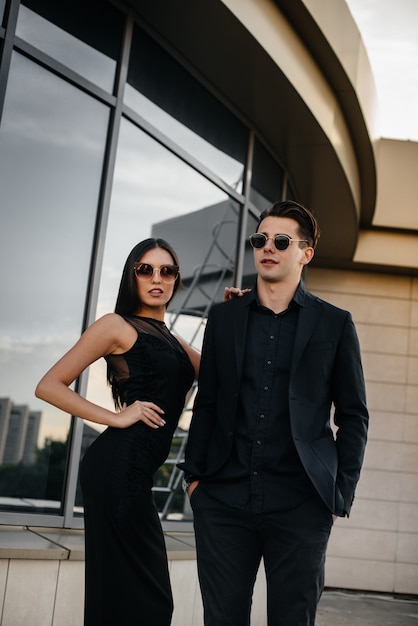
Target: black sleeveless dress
{"x": 127, "y": 581}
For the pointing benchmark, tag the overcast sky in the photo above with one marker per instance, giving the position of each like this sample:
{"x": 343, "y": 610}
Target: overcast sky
{"x": 390, "y": 33}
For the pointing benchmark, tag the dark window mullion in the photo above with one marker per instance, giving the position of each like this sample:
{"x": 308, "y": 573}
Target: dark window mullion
{"x": 10, "y": 20}
{"x": 96, "y": 263}
{"x": 242, "y": 228}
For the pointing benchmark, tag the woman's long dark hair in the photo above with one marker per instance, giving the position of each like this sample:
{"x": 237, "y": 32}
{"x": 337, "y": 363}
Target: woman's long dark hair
{"x": 128, "y": 301}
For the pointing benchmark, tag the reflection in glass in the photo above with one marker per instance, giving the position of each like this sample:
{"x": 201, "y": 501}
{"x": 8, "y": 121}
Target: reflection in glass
{"x": 209, "y": 238}
{"x": 267, "y": 178}
{"x": 51, "y": 152}
{"x": 2, "y": 5}
{"x": 164, "y": 93}
{"x": 84, "y": 36}
{"x": 155, "y": 193}
{"x": 249, "y": 273}
{"x": 150, "y": 185}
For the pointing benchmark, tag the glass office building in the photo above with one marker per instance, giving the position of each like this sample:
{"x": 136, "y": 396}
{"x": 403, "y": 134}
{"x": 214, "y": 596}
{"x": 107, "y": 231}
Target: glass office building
{"x": 107, "y": 136}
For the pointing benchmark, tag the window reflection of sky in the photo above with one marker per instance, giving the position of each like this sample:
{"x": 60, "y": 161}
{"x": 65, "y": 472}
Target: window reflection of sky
{"x": 60, "y": 45}
{"x": 51, "y": 150}
{"x": 226, "y": 167}
{"x": 150, "y": 185}
{"x": 52, "y": 139}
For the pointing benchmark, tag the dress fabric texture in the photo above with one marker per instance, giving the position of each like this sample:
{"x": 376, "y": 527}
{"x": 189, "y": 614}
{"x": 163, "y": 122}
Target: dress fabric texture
{"x": 126, "y": 576}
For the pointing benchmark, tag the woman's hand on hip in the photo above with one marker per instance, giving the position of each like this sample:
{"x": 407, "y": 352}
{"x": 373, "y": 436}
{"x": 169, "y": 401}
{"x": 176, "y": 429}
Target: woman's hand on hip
{"x": 140, "y": 411}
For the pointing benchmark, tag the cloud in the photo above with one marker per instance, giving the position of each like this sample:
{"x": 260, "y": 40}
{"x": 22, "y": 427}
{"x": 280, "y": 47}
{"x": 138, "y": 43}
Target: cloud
{"x": 389, "y": 31}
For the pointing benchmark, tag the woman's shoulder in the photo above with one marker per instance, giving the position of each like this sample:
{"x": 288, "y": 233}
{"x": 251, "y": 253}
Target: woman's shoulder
{"x": 111, "y": 320}
{"x": 113, "y": 325}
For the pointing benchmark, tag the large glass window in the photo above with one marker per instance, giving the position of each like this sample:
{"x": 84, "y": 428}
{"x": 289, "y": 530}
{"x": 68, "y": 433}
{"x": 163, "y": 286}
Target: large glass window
{"x": 267, "y": 178}
{"x": 84, "y": 36}
{"x": 2, "y": 5}
{"x": 157, "y": 194}
{"x": 164, "y": 93}
{"x": 180, "y": 149}
{"x": 249, "y": 273}
{"x": 52, "y": 141}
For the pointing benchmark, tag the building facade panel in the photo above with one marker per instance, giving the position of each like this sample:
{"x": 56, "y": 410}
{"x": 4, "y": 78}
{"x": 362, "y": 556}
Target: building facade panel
{"x": 30, "y": 592}
{"x": 370, "y": 574}
{"x": 70, "y": 586}
{"x": 384, "y": 501}
{"x": 396, "y": 161}
{"x": 406, "y": 577}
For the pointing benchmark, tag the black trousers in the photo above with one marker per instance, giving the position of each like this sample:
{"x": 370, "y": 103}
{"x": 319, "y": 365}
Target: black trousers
{"x": 230, "y": 544}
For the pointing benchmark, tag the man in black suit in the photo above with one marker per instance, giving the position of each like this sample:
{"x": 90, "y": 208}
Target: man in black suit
{"x": 264, "y": 472}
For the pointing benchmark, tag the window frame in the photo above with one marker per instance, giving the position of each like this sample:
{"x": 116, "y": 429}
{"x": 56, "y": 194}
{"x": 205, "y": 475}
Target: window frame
{"x": 118, "y": 109}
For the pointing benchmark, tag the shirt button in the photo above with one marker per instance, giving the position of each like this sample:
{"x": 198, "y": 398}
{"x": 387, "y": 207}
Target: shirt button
{"x": 258, "y": 442}
{"x": 271, "y": 336}
{"x": 255, "y": 473}
{"x": 266, "y": 388}
{"x": 262, "y": 416}
{"x": 268, "y": 362}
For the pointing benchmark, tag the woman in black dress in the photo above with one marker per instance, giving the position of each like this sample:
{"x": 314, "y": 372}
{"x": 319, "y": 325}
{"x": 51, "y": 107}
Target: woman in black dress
{"x": 150, "y": 371}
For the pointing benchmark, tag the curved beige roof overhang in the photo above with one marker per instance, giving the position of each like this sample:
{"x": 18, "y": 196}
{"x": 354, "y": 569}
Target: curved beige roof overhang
{"x": 299, "y": 74}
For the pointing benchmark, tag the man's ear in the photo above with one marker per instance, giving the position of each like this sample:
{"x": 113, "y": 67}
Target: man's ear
{"x": 308, "y": 255}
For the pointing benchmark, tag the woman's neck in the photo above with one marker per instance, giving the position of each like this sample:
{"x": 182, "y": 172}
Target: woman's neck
{"x": 155, "y": 313}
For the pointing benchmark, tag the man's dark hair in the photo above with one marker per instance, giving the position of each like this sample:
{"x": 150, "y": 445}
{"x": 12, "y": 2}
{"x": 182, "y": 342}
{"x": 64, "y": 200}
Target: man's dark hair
{"x": 308, "y": 226}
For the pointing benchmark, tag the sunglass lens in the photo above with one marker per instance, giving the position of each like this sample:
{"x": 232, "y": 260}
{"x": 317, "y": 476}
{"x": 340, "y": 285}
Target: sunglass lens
{"x": 145, "y": 269}
{"x": 258, "y": 240}
{"x": 167, "y": 271}
{"x": 281, "y": 242}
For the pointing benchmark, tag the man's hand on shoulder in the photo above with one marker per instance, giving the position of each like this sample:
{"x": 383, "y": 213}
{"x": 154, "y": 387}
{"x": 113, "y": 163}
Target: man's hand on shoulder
{"x": 234, "y": 292}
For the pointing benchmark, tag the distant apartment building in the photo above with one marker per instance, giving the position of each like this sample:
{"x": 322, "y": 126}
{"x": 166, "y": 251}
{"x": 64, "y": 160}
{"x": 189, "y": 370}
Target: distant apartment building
{"x": 19, "y": 429}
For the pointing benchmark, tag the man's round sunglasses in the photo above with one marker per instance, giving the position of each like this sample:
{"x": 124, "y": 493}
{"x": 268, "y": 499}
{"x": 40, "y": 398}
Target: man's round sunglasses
{"x": 282, "y": 242}
{"x": 145, "y": 271}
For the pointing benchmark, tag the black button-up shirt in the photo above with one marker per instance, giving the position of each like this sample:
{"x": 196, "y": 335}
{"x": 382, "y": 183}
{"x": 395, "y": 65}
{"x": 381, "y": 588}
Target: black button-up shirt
{"x": 264, "y": 472}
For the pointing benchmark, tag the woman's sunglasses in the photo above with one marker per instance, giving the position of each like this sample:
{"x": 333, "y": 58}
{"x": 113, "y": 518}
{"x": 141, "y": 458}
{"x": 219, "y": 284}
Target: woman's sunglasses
{"x": 168, "y": 273}
{"x": 282, "y": 242}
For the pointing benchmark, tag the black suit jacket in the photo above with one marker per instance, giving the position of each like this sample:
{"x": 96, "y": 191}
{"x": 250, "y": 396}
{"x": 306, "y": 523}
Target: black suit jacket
{"x": 325, "y": 370}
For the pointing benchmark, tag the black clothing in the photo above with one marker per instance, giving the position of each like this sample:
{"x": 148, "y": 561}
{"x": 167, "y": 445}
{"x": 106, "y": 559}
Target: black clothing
{"x": 325, "y": 373}
{"x": 127, "y": 581}
{"x": 263, "y": 450}
{"x": 230, "y": 543}
{"x": 283, "y": 513}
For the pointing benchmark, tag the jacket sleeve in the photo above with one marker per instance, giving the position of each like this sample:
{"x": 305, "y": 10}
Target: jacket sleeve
{"x": 351, "y": 415}
{"x": 203, "y": 423}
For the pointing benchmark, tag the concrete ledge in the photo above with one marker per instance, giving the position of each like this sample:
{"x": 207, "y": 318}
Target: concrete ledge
{"x": 42, "y": 576}
{"x": 20, "y": 542}
{"x": 26, "y": 542}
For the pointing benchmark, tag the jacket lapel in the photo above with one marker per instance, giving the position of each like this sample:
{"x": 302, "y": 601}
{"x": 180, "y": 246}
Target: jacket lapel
{"x": 309, "y": 315}
{"x": 240, "y": 322}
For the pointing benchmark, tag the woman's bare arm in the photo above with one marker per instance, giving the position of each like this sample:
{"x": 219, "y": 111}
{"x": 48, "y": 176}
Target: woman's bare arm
{"x": 108, "y": 335}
